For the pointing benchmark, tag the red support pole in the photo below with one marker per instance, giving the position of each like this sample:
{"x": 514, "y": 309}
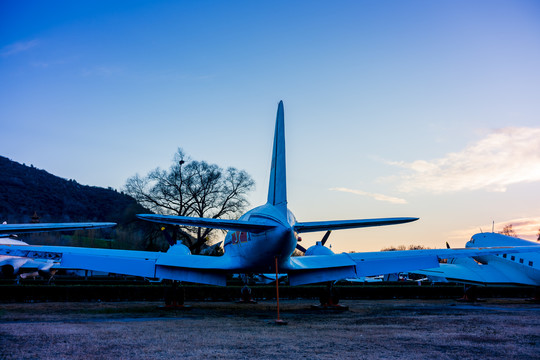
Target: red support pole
{"x": 278, "y": 320}
{"x": 277, "y": 290}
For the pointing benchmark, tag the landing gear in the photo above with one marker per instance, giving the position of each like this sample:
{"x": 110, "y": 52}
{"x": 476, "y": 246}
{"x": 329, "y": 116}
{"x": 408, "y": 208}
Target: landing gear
{"x": 246, "y": 296}
{"x": 50, "y": 274}
{"x": 536, "y": 298}
{"x": 246, "y": 292}
{"x": 175, "y": 296}
{"x": 51, "y": 280}
{"x": 469, "y": 294}
{"x": 329, "y": 299}
{"x": 330, "y": 296}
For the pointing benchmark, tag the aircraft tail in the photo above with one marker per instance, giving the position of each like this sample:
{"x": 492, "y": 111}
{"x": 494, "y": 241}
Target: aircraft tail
{"x": 277, "y": 190}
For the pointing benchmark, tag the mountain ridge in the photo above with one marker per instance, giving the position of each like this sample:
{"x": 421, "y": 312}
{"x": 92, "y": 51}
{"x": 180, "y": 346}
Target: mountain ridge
{"x": 26, "y": 191}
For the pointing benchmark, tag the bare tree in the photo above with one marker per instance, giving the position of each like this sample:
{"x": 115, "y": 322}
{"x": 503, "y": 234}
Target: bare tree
{"x": 193, "y": 188}
{"x": 508, "y": 231}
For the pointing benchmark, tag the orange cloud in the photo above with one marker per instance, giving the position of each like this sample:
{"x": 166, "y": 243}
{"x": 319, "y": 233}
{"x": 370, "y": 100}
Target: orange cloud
{"x": 505, "y": 157}
{"x": 525, "y": 228}
{"x": 379, "y": 197}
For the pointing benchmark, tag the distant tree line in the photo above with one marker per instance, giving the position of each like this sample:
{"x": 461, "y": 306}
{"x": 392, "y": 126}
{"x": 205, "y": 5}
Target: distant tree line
{"x": 509, "y": 231}
{"x": 404, "y": 247}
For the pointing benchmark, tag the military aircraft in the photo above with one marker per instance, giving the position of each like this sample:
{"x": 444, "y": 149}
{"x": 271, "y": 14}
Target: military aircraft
{"x": 26, "y": 263}
{"x": 261, "y": 241}
{"x": 491, "y": 270}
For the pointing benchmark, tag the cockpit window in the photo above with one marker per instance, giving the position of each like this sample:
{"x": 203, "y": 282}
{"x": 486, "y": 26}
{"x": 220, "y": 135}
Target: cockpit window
{"x": 471, "y": 241}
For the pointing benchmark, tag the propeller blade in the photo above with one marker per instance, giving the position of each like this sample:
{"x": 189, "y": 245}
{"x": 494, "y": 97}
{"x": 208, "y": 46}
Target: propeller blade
{"x": 447, "y": 245}
{"x": 325, "y": 237}
{"x": 301, "y": 248}
{"x": 168, "y": 237}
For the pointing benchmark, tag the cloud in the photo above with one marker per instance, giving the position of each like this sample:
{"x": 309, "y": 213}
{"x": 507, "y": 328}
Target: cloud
{"x": 505, "y": 157}
{"x": 525, "y": 228}
{"x": 47, "y": 64}
{"x": 17, "y": 48}
{"x": 379, "y": 197}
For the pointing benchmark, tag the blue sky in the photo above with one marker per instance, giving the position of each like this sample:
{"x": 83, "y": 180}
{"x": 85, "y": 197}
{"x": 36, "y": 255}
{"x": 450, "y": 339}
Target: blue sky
{"x": 392, "y": 108}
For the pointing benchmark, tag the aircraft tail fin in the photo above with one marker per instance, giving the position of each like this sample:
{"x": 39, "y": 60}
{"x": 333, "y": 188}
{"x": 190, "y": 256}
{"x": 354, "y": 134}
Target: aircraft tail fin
{"x": 277, "y": 190}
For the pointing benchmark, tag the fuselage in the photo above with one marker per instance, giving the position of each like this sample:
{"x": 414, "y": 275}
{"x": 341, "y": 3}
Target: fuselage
{"x": 257, "y": 251}
{"x": 527, "y": 264}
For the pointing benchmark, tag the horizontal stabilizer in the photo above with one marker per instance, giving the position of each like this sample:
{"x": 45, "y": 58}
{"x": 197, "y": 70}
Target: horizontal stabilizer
{"x": 303, "y": 227}
{"x": 234, "y": 225}
{"x": 319, "y": 268}
{"x": 31, "y": 228}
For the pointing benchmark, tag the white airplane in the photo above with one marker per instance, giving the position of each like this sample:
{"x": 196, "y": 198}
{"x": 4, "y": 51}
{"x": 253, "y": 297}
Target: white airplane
{"x": 497, "y": 270}
{"x": 29, "y": 263}
{"x": 261, "y": 241}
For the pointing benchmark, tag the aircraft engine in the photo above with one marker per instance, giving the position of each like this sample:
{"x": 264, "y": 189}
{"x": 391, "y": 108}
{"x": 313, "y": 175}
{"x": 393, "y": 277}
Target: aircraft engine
{"x": 318, "y": 248}
{"x": 179, "y": 249}
{"x": 8, "y": 271}
{"x": 10, "y": 266}
{"x": 13, "y": 266}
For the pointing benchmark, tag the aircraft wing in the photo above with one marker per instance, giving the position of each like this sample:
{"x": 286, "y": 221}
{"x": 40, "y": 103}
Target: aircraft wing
{"x": 8, "y": 229}
{"x": 170, "y": 265}
{"x": 319, "y": 268}
{"x": 478, "y": 274}
{"x": 179, "y": 265}
{"x": 301, "y": 227}
{"x": 234, "y": 225}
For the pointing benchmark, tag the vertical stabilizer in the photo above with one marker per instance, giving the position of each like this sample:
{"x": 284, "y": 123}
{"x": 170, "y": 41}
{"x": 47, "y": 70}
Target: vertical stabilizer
{"x": 277, "y": 191}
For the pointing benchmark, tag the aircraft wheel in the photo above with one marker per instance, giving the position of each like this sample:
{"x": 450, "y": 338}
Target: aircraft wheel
{"x": 330, "y": 296}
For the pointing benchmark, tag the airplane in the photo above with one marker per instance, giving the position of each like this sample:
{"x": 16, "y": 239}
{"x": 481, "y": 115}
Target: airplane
{"x": 502, "y": 269}
{"x": 20, "y": 263}
{"x": 260, "y": 241}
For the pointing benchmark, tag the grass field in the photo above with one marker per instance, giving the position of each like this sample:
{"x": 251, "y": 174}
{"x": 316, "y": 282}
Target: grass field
{"x": 371, "y": 329}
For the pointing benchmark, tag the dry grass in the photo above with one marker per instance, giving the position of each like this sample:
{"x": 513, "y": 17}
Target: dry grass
{"x": 403, "y": 329}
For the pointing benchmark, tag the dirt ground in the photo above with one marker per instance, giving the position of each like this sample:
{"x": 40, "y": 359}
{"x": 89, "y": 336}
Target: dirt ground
{"x": 370, "y": 329}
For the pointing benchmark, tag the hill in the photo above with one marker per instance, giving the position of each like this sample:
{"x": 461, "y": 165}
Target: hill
{"x": 25, "y": 190}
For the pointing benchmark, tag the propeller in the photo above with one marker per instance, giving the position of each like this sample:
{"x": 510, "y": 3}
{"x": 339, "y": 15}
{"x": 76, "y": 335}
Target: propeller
{"x": 167, "y": 236}
{"x": 325, "y": 237}
{"x": 319, "y": 244}
{"x": 301, "y": 248}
